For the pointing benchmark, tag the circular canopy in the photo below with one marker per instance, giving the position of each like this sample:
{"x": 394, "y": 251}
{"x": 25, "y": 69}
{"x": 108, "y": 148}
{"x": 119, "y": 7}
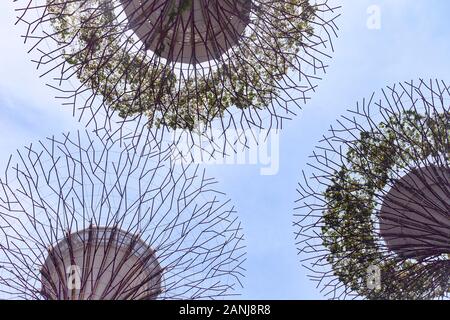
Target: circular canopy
{"x": 85, "y": 216}
{"x": 414, "y": 217}
{"x": 217, "y": 74}
{"x": 191, "y": 31}
{"x": 110, "y": 264}
{"x": 373, "y": 214}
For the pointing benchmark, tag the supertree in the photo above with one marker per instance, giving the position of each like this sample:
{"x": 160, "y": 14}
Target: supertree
{"x": 87, "y": 217}
{"x": 210, "y": 68}
{"x": 373, "y": 214}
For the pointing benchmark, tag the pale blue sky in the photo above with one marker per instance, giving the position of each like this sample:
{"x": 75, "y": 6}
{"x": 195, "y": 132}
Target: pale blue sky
{"x": 414, "y": 42}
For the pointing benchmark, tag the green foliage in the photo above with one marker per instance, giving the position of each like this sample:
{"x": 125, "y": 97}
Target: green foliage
{"x": 109, "y": 62}
{"x": 349, "y": 220}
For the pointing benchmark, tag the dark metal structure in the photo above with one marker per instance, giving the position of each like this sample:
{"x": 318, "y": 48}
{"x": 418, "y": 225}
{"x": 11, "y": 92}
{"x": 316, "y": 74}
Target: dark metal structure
{"x": 373, "y": 216}
{"x": 112, "y": 217}
{"x": 218, "y": 69}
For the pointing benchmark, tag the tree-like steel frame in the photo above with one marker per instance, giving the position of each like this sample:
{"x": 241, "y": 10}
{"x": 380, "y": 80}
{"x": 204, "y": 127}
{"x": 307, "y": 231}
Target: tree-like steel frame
{"x": 372, "y": 218}
{"x": 251, "y": 77}
{"x": 120, "y": 192}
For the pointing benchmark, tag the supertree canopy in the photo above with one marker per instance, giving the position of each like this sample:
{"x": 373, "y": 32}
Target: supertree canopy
{"x": 373, "y": 217}
{"x": 196, "y": 65}
{"x": 84, "y": 217}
